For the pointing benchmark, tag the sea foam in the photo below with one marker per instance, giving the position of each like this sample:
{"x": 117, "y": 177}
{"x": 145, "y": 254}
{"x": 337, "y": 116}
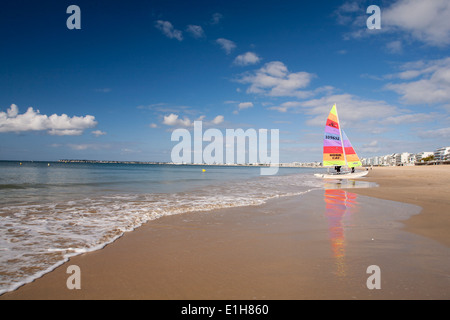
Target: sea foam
{"x": 38, "y": 237}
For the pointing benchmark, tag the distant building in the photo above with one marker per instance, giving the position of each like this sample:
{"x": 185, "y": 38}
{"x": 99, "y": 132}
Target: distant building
{"x": 398, "y": 159}
{"x": 421, "y": 155}
{"x": 402, "y": 159}
{"x": 385, "y": 160}
{"x": 442, "y": 154}
{"x": 406, "y": 158}
{"x": 395, "y": 159}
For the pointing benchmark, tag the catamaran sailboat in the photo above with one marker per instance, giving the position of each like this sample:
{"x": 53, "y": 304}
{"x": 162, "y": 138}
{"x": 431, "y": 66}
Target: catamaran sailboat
{"x": 338, "y": 151}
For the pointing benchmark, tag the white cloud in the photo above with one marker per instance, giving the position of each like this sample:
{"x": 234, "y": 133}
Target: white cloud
{"x": 174, "y": 120}
{"x": 394, "y": 46}
{"x": 427, "y": 21}
{"x": 409, "y": 74}
{"x": 373, "y": 143}
{"x": 349, "y": 7}
{"x": 344, "y": 12}
{"x": 409, "y": 118}
{"x": 86, "y": 146}
{"x": 31, "y": 120}
{"x": 98, "y": 133}
{"x": 226, "y": 45}
{"x": 371, "y": 147}
{"x": 242, "y": 106}
{"x": 168, "y": 30}
{"x": 353, "y": 14}
{"x": 216, "y": 17}
{"x": 364, "y": 120}
{"x": 166, "y": 108}
{"x": 128, "y": 151}
{"x": 218, "y": 120}
{"x": 274, "y": 79}
{"x": 153, "y": 125}
{"x": 431, "y": 82}
{"x": 247, "y": 58}
{"x": 284, "y": 107}
{"x": 79, "y": 146}
{"x": 13, "y": 111}
{"x": 437, "y": 133}
{"x": 443, "y": 133}
{"x": 351, "y": 109}
{"x": 195, "y": 31}
{"x": 367, "y": 116}
{"x": 66, "y": 132}
{"x": 245, "y": 105}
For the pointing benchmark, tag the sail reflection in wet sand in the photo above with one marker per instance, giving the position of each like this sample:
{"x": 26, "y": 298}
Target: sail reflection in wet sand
{"x": 340, "y": 205}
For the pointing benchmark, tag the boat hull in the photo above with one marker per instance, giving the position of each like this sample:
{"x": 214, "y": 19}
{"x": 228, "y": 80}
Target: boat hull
{"x": 354, "y": 175}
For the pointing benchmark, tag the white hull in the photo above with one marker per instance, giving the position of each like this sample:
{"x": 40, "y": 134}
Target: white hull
{"x": 341, "y": 176}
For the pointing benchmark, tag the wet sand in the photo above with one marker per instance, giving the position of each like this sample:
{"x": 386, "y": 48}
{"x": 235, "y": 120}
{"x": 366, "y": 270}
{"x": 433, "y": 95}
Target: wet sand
{"x": 315, "y": 246}
{"x": 425, "y": 186}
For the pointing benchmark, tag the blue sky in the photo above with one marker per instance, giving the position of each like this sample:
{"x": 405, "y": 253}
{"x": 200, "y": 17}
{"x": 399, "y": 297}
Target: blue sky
{"x": 135, "y": 71}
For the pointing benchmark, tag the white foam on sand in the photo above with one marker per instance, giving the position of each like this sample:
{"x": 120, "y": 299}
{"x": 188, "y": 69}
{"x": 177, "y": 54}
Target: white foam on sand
{"x": 37, "y": 238}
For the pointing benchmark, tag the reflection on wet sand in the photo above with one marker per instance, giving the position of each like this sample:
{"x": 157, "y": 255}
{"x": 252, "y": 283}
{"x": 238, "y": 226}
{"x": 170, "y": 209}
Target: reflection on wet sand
{"x": 348, "y": 184}
{"x": 340, "y": 205}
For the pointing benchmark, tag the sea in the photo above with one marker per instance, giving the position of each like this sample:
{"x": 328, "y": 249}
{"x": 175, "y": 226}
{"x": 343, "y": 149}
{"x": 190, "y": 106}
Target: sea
{"x": 51, "y": 211}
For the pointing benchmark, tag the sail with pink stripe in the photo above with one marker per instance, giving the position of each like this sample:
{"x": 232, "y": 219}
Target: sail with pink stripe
{"x": 337, "y": 149}
{"x": 350, "y": 153}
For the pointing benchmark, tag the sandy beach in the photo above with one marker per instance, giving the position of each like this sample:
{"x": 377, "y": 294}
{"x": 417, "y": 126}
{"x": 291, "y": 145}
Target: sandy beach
{"x": 425, "y": 186}
{"x": 315, "y": 246}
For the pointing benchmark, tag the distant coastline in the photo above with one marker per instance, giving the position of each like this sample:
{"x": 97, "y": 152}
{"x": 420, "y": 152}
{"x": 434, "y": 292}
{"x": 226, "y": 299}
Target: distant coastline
{"x": 300, "y": 165}
{"x": 315, "y": 165}
{"x": 109, "y": 161}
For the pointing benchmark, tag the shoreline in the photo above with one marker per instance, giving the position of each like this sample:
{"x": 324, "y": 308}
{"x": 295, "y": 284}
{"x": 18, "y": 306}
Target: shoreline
{"x": 424, "y": 186}
{"x": 270, "y": 251}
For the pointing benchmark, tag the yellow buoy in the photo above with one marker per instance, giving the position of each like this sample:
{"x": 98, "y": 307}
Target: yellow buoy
{"x": 20, "y": 163}
{"x": 203, "y": 170}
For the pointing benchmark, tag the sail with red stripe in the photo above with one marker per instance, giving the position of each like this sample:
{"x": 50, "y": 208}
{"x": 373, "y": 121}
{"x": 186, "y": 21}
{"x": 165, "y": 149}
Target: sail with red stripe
{"x": 350, "y": 154}
{"x": 337, "y": 149}
{"x": 333, "y": 151}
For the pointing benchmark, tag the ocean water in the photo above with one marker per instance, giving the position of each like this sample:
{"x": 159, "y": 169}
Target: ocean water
{"x": 50, "y": 213}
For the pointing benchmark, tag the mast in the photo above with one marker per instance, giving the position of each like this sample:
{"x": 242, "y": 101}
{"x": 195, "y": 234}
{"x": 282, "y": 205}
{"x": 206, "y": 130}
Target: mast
{"x": 340, "y": 135}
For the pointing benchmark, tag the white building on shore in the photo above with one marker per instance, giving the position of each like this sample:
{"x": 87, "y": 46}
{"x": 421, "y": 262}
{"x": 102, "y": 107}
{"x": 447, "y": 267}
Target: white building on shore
{"x": 402, "y": 159}
{"x": 421, "y": 155}
{"x": 442, "y": 154}
{"x": 406, "y": 158}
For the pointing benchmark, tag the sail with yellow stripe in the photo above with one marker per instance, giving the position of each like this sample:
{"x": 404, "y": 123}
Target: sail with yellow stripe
{"x": 337, "y": 149}
{"x": 350, "y": 154}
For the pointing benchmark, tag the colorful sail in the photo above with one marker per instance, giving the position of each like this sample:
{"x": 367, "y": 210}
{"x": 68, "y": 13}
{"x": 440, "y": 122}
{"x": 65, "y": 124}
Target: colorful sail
{"x": 337, "y": 149}
{"x": 333, "y": 153}
{"x": 350, "y": 154}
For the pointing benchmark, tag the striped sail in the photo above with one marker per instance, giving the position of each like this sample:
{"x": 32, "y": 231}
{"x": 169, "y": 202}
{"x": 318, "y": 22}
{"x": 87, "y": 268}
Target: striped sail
{"x": 350, "y": 154}
{"x": 337, "y": 149}
{"x": 333, "y": 153}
